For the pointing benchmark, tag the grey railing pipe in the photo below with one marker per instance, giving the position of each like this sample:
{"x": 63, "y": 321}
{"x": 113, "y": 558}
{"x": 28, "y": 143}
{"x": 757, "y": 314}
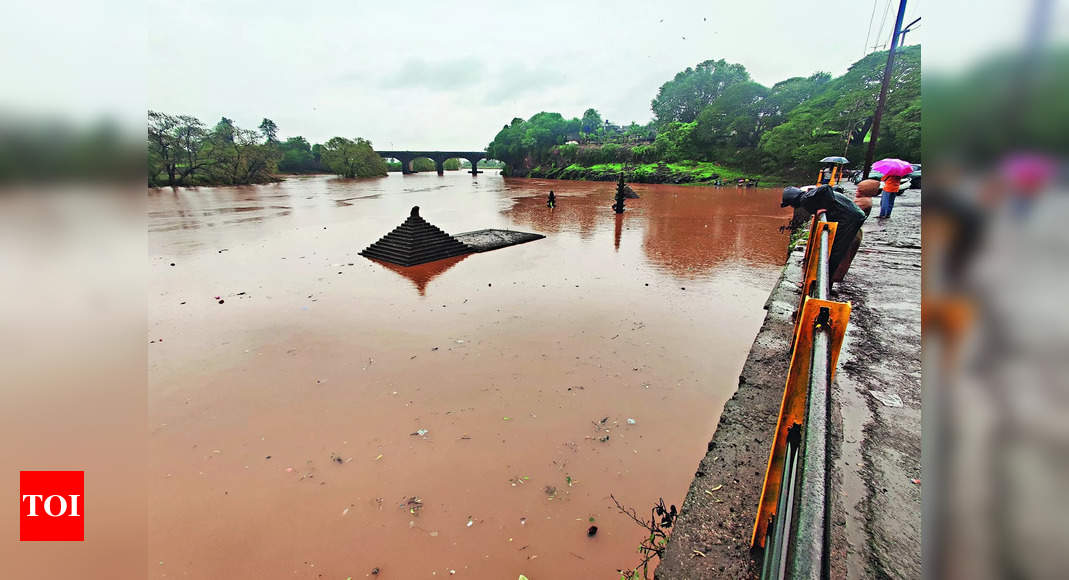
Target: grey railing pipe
{"x": 776, "y": 544}
{"x": 811, "y": 533}
{"x": 797, "y": 540}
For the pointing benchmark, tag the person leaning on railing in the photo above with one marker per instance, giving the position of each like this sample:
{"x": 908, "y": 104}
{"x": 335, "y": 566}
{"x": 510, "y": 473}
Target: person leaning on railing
{"x": 838, "y": 208}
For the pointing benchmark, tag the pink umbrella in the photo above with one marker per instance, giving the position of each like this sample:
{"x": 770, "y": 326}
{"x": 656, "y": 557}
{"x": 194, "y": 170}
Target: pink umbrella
{"x": 895, "y": 167}
{"x": 1029, "y": 170}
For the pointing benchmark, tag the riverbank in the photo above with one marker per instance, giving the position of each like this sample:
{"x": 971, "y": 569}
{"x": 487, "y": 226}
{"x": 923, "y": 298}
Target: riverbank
{"x": 874, "y": 433}
{"x": 683, "y": 172}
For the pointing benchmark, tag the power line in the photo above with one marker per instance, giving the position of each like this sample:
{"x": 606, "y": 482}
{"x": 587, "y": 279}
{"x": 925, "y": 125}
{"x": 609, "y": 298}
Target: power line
{"x": 879, "y": 33}
{"x": 868, "y": 32}
{"x": 874, "y": 131}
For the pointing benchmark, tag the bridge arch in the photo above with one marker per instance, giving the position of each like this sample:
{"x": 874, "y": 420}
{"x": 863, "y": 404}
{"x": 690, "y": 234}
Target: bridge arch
{"x": 439, "y": 158}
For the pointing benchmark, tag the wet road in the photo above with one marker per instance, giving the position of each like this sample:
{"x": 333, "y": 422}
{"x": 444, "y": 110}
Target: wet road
{"x": 293, "y": 422}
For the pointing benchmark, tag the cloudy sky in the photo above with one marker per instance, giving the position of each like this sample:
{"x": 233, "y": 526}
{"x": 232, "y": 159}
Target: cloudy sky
{"x": 444, "y": 75}
{"x": 449, "y": 75}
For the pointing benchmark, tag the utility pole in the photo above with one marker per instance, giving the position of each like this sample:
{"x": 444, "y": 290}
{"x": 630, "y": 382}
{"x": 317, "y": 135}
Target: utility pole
{"x": 883, "y": 90}
{"x": 902, "y": 38}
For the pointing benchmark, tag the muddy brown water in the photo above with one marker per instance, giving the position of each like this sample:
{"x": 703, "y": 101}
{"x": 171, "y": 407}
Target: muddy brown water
{"x": 285, "y": 421}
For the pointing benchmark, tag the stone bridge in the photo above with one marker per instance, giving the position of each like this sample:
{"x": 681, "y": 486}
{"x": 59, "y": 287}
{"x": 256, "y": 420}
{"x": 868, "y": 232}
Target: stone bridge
{"x": 439, "y": 157}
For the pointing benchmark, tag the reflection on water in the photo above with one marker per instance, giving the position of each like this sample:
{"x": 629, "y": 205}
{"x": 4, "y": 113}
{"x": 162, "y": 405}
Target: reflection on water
{"x": 422, "y": 274}
{"x": 687, "y": 231}
{"x": 513, "y": 363}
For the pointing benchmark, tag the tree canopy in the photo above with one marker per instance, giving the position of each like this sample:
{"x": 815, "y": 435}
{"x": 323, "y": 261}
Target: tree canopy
{"x": 352, "y": 158}
{"x": 715, "y": 112}
{"x": 683, "y": 97}
{"x": 183, "y": 152}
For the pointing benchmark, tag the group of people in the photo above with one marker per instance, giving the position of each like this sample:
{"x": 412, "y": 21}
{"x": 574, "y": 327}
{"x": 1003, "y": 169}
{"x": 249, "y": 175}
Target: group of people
{"x": 850, "y": 213}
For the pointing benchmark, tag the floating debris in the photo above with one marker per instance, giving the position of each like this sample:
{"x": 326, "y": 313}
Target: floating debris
{"x": 414, "y": 505}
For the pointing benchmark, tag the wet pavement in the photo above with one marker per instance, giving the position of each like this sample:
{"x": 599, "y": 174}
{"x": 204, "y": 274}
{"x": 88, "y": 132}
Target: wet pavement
{"x": 877, "y": 397}
{"x": 874, "y": 434}
{"x": 302, "y": 397}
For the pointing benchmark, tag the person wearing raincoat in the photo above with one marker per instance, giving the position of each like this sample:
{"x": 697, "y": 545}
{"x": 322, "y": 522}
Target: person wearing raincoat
{"x": 838, "y": 208}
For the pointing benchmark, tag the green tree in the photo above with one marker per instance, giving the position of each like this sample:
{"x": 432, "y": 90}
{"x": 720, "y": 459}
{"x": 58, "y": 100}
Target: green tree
{"x": 676, "y": 142}
{"x": 241, "y": 159}
{"x": 269, "y": 130}
{"x": 224, "y": 129}
{"x": 350, "y": 158}
{"x": 786, "y": 96}
{"x": 590, "y": 122}
{"x": 683, "y": 97}
{"x": 297, "y": 156}
{"x": 162, "y": 147}
{"x": 522, "y": 144}
{"x": 423, "y": 164}
{"x": 734, "y": 120}
{"x": 836, "y": 119}
{"x": 177, "y": 147}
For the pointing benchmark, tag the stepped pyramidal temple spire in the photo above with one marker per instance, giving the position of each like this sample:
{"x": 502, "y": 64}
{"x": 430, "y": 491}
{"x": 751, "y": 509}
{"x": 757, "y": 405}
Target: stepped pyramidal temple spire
{"x": 415, "y": 242}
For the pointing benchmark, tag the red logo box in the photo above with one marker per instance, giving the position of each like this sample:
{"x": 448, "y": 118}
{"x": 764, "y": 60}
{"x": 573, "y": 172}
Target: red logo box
{"x": 51, "y": 506}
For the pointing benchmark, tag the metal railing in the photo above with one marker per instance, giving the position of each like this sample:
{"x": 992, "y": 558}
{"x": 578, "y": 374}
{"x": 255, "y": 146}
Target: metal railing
{"x": 793, "y": 521}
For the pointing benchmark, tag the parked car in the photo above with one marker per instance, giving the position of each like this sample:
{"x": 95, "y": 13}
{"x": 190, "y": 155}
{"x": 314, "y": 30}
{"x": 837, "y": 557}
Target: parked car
{"x": 915, "y": 177}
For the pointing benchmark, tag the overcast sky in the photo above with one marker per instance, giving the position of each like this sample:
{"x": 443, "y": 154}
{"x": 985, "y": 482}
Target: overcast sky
{"x": 444, "y": 75}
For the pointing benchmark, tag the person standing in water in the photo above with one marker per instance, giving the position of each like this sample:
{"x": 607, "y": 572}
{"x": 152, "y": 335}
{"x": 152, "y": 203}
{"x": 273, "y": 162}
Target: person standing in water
{"x": 552, "y": 201}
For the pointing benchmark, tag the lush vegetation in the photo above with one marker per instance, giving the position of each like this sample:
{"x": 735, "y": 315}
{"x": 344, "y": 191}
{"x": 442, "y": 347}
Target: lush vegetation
{"x": 349, "y": 158}
{"x": 182, "y": 151}
{"x": 426, "y": 164}
{"x": 714, "y": 116}
{"x": 299, "y": 156}
{"x": 483, "y": 164}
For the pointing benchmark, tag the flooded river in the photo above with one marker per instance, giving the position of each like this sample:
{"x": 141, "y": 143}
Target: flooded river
{"x": 301, "y": 395}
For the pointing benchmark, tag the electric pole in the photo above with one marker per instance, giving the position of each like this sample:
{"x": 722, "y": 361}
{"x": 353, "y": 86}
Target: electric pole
{"x": 883, "y": 90}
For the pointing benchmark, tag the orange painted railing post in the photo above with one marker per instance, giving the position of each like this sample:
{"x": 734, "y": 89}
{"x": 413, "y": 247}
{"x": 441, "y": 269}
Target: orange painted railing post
{"x": 793, "y": 405}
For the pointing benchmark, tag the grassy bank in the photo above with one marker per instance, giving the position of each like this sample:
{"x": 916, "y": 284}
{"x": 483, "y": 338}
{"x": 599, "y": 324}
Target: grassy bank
{"x": 683, "y": 172}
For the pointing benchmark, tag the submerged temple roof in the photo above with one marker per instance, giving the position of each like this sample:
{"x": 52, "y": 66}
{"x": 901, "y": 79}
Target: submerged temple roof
{"x": 415, "y": 242}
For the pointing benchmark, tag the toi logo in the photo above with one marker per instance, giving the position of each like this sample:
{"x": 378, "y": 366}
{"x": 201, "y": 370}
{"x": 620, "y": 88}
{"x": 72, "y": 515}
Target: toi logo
{"x": 51, "y": 506}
